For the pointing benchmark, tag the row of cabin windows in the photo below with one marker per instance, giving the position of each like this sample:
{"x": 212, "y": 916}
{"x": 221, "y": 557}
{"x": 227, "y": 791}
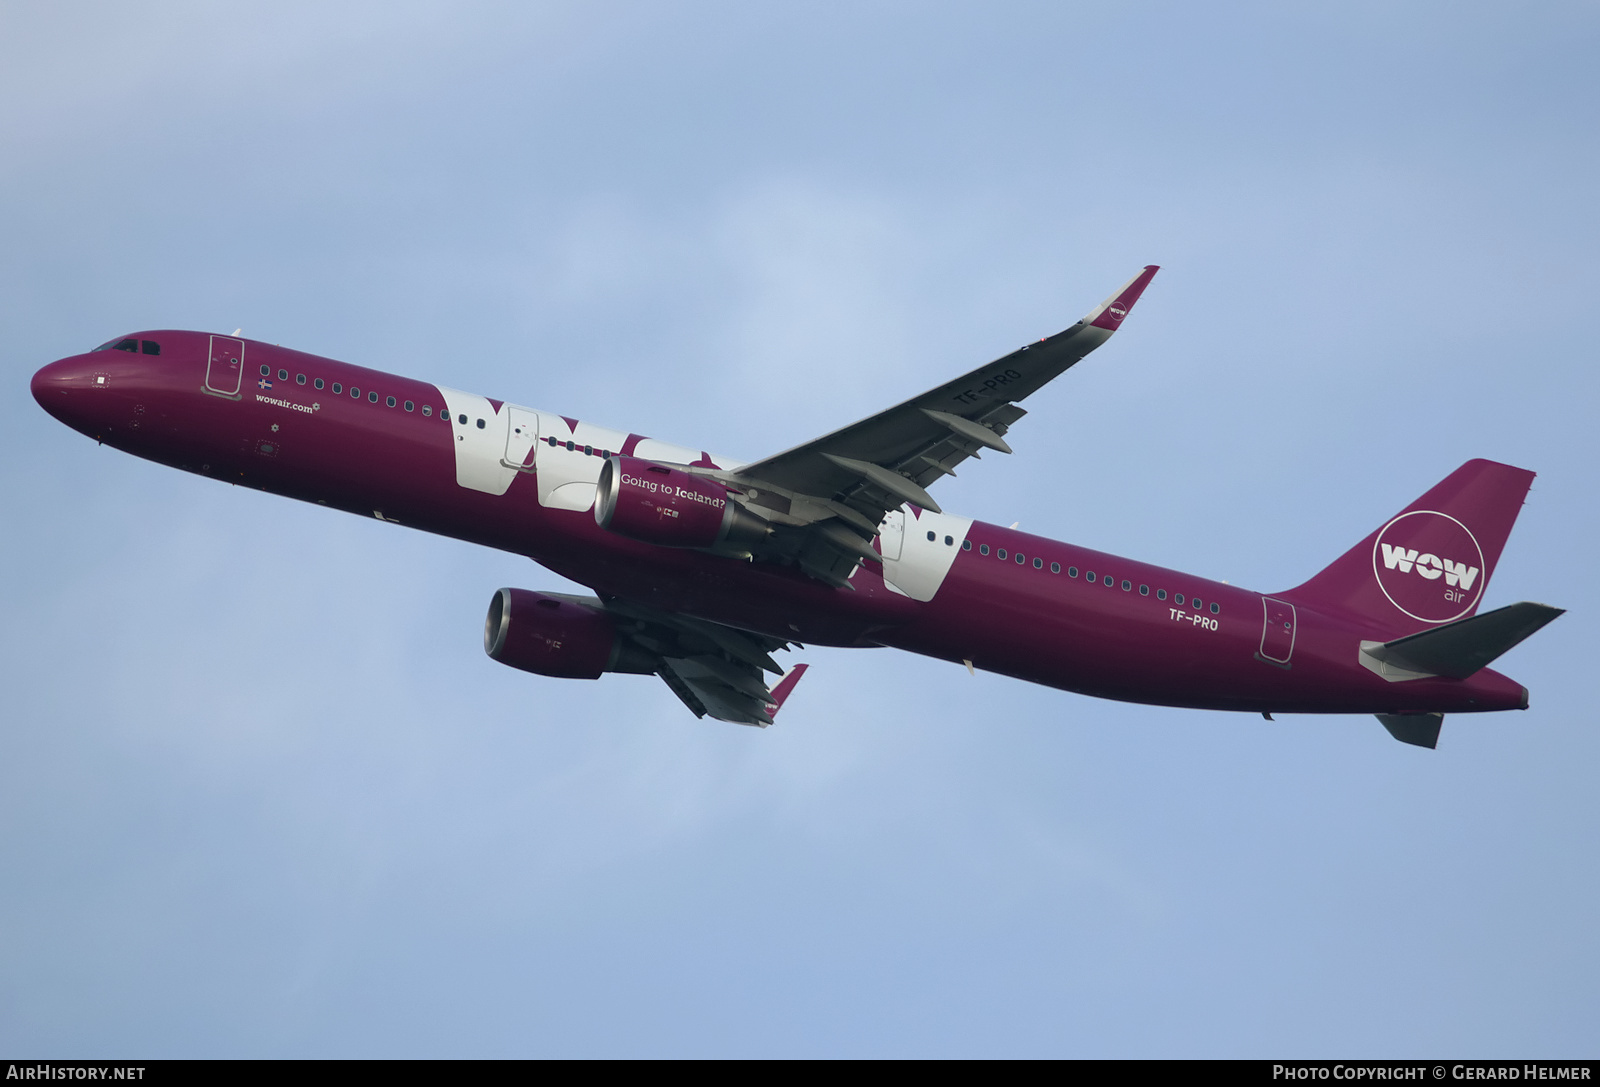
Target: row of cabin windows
{"x": 1092, "y": 578}
{"x": 574, "y": 447}
{"x": 338, "y": 390}
{"x": 427, "y": 410}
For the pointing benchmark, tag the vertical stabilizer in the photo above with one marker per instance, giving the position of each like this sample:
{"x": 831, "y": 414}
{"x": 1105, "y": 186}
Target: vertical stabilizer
{"x": 1430, "y": 563}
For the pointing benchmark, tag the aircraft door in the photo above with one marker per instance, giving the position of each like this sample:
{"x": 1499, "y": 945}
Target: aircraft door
{"x": 225, "y": 370}
{"x": 1277, "y": 630}
{"x": 521, "y": 434}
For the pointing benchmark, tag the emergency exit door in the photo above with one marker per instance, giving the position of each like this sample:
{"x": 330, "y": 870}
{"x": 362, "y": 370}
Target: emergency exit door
{"x": 1277, "y": 630}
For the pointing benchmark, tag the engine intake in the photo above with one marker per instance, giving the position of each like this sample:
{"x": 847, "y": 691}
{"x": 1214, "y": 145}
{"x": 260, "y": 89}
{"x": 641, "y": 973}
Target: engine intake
{"x": 558, "y": 636}
{"x": 658, "y": 504}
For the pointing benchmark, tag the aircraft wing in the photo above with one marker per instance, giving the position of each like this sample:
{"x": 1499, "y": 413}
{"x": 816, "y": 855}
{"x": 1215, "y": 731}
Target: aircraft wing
{"x": 715, "y": 670}
{"x": 827, "y": 497}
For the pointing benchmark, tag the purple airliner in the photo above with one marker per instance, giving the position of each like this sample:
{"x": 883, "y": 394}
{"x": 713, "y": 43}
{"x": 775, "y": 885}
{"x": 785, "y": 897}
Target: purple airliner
{"x": 703, "y": 566}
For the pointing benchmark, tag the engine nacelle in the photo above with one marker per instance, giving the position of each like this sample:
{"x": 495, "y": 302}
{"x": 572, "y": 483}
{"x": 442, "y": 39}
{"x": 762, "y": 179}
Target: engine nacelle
{"x": 662, "y": 505}
{"x": 557, "y": 636}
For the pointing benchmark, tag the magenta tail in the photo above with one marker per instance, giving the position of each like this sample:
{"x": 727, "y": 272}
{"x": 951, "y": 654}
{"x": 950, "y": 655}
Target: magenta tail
{"x": 1431, "y": 562}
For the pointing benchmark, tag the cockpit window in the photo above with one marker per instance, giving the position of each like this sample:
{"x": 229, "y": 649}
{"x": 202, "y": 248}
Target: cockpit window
{"x": 149, "y": 347}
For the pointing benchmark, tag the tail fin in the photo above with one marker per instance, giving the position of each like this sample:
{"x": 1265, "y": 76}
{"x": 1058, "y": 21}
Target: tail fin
{"x": 1431, "y": 562}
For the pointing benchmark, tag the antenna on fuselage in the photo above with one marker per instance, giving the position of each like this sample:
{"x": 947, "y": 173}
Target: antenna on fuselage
{"x": 238, "y": 332}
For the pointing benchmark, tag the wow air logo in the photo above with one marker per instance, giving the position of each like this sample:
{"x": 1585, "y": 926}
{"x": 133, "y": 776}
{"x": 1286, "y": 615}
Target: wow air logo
{"x": 1429, "y": 566}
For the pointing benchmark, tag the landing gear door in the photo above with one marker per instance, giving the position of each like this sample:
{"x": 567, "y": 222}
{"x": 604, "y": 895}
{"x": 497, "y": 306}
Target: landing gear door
{"x": 1277, "y": 630}
{"x": 521, "y": 435}
{"x": 225, "y": 371}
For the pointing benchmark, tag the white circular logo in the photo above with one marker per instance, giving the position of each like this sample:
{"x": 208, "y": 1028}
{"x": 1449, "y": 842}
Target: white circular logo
{"x": 1429, "y": 565}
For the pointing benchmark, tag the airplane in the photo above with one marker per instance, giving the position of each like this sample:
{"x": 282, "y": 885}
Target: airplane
{"x": 703, "y": 566}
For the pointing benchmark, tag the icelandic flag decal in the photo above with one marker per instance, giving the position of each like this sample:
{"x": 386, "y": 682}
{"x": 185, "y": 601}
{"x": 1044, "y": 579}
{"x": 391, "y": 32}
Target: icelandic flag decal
{"x": 264, "y": 383}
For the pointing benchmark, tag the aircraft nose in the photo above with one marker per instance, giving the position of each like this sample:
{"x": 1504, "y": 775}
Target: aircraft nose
{"x": 60, "y": 387}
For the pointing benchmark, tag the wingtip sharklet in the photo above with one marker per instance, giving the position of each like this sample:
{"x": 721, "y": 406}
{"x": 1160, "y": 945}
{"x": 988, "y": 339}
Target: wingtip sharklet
{"x": 780, "y": 693}
{"x": 1113, "y": 310}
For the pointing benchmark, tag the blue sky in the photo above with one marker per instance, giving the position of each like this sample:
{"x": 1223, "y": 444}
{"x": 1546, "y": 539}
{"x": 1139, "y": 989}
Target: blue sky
{"x": 261, "y": 793}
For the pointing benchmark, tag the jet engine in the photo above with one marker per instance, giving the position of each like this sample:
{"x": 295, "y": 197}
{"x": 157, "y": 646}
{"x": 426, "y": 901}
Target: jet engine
{"x": 658, "y": 504}
{"x": 556, "y": 635}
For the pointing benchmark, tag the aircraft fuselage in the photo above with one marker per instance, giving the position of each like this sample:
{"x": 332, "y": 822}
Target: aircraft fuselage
{"x": 521, "y": 480}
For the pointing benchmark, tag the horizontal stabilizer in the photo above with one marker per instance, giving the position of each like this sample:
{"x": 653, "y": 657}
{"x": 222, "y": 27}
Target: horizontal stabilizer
{"x": 1458, "y": 650}
{"x": 1418, "y": 729}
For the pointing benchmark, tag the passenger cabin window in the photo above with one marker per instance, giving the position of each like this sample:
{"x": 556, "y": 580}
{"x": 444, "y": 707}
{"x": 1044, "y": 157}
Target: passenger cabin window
{"x": 1055, "y": 567}
{"x": 389, "y": 401}
{"x": 1161, "y": 594}
{"x": 299, "y": 379}
{"x": 983, "y": 549}
{"x": 372, "y": 397}
{"x": 317, "y": 383}
{"x": 337, "y": 388}
{"x": 1216, "y": 609}
{"x": 462, "y": 419}
{"x": 966, "y": 545}
{"x": 1072, "y": 571}
{"x": 427, "y": 409}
